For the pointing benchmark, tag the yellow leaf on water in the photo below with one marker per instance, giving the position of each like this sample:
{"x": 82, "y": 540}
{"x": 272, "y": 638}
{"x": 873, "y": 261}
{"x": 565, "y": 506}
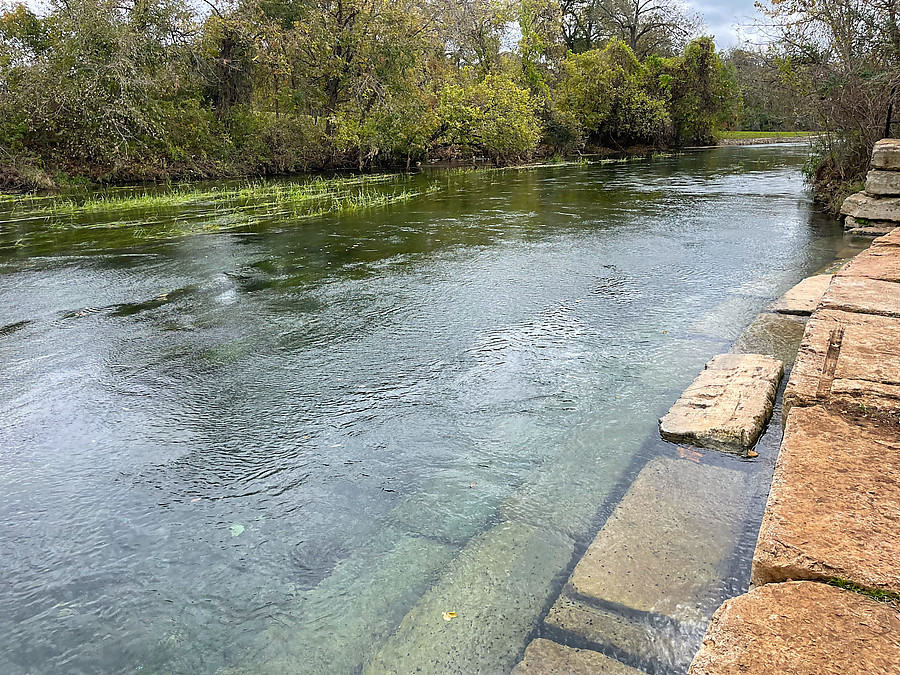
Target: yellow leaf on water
{"x": 449, "y": 615}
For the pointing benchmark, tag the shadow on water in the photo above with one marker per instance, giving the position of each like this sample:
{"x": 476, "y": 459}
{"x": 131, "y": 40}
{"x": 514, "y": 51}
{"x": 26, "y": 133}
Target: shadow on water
{"x": 292, "y": 446}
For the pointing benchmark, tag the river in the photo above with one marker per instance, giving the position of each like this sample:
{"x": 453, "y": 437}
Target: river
{"x": 257, "y": 451}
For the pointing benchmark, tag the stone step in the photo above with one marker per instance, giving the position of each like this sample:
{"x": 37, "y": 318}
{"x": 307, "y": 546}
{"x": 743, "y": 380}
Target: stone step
{"x": 834, "y": 507}
{"x": 804, "y": 297}
{"x": 868, "y": 227}
{"x": 728, "y": 404}
{"x": 775, "y": 335}
{"x": 883, "y": 183}
{"x": 868, "y": 207}
{"x": 654, "y": 574}
{"x": 863, "y": 295}
{"x": 847, "y": 358}
{"x": 497, "y": 586}
{"x": 801, "y": 628}
{"x": 886, "y": 154}
{"x": 544, "y": 657}
{"x": 879, "y": 261}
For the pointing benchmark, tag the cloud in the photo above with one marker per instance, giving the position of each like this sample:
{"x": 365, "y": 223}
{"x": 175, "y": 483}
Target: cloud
{"x": 730, "y": 21}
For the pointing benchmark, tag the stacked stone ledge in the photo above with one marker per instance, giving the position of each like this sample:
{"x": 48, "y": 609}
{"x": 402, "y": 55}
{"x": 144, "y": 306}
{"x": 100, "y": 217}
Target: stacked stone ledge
{"x": 828, "y": 542}
{"x": 876, "y": 210}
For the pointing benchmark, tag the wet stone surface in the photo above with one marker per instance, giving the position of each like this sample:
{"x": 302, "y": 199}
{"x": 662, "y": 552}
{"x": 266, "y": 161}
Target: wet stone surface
{"x": 804, "y": 297}
{"x": 775, "y": 335}
{"x": 544, "y": 657}
{"x": 801, "y": 628}
{"x": 728, "y": 405}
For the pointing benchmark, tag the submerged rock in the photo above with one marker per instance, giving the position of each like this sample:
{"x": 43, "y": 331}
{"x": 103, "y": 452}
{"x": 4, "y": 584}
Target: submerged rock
{"x": 654, "y": 574}
{"x": 804, "y": 297}
{"x": 728, "y": 405}
{"x": 544, "y": 657}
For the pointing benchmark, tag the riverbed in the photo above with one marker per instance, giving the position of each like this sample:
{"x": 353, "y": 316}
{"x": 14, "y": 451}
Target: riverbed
{"x": 272, "y": 448}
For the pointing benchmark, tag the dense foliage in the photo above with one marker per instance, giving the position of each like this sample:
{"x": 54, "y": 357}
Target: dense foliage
{"x": 152, "y": 89}
{"x": 834, "y": 65}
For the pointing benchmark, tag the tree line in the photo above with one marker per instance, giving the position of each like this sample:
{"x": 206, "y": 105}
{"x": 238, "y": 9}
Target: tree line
{"x": 144, "y": 89}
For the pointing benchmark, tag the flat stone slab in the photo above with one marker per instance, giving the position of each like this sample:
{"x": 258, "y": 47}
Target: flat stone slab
{"x": 497, "y": 586}
{"x": 801, "y": 628}
{"x": 653, "y": 576}
{"x": 544, "y": 657}
{"x": 804, "y": 297}
{"x": 834, "y": 507}
{"x": 664, "y": 548}
{"x": 728, "y": 405}
{"x": 879, "y": 261}
{"x": 868, "y": 207}
{"x": 886, "y": 154}
{"x": 775, "y": 335}
{"x": 883, "y": 183}
{"x": 891, "y": 238}
{"x": 863, "y": 295}
{"x": 867, "y": 227}
{"x": 847, "y": 358}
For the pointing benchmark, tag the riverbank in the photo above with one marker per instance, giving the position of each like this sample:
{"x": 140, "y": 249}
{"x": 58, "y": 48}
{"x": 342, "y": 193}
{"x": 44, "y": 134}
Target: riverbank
{"x": 825, "y": 575}
{"x": 765, "y": 137}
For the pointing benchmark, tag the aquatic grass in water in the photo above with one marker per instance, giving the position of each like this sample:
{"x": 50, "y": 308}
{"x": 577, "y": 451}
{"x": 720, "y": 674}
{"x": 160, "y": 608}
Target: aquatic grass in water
{"x": 185, "y": 209}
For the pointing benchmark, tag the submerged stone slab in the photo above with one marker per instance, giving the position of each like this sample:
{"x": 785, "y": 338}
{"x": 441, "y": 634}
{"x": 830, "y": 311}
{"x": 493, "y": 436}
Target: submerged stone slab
{"x": 863, "y": 295}
{"x": 544, "y": 657}
{"x": 834, "y": 507}
{"x": 498, "y": 585}
{"x": 886, "y": 154}
{"x": 654, "y": 574}
{"x": 877, "y": 262}
{"x": 332, "y": 627}
{"x": 863, "y": 206}
{"x": 657, "y": 641}
{"x": 728, "y": 405}
{"x": 801, "y": 628}
{"x": 664, "y": 549}
{"x": 775, "y": 335}
{"x": 847, "y": 358}
{"x": 883, "y": 183}
{"x": 804, "y": 297}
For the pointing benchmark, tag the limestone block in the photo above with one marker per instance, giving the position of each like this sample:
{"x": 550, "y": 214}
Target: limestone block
{"x": 497, "y": 586}
{"x": 868, "y": 227}
{"x": 891, "y": 238}
{"x": 665, "y": 643}
{"x": 877, "y": 262}
{"x": 544, "y": 657}
{"x": 776, "y": 335}
{"x": 653, "y": 576}
{"x": 728, "y": 405}
{"x": 863, "y": 295}
{"x": 886, "y": 154}
{"x": 834, "y": 506}
{"x": 664, "y": 548}
{"x": 801, "y": 628}
{"x": 804, "y": 297}
{"x": 883, "y": 183}
{"x": 861, "y": 205}
{"x": 849, "y": 358}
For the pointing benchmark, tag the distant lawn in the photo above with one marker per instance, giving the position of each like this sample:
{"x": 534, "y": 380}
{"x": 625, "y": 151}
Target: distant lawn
{"x": 741, "y": 135}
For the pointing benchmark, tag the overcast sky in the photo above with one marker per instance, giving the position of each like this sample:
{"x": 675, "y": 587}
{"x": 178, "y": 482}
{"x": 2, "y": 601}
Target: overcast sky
{"x": 727, "y": 19}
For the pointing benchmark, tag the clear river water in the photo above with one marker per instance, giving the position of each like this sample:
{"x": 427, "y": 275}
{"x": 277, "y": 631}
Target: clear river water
{"x": 258, "y": 450}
